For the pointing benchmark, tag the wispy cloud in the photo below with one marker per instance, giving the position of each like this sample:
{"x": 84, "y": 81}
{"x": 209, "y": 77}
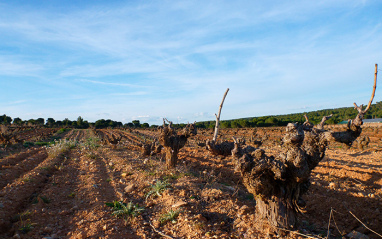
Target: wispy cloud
{"x": 109, "y": 83}
{"x": 177, "y": 58}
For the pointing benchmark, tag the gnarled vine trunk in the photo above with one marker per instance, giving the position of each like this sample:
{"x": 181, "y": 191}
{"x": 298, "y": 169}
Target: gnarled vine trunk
{"x": 173, "y": 142}
{"x": 278, "y": 183}
{"x": 8, "y": 134}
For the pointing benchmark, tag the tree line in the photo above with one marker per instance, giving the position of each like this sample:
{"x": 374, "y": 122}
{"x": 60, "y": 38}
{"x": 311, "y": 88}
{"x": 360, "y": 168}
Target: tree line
{"x": 339, "y": 114}
{"x": 80, "y": 123}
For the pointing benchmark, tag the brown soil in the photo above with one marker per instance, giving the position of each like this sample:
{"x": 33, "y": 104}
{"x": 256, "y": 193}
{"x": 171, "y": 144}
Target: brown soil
{"x": 64, "y": 196}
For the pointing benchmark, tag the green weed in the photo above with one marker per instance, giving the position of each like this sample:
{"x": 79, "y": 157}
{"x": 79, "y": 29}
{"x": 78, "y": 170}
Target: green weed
{"x": 157, "y": 188}
{"x": 123, "y": 210}
{"x": 169, "y": 216}
{"x": 26, "y": 226}
{"x": 28, "y": 144}
{"x": 62, "y": 130}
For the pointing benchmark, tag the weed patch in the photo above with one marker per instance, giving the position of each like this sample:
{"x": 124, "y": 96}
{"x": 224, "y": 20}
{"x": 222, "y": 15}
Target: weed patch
{"x": 123, "y": 210}
{"x": 157, "y": 188}
{"x": 169, "y": 216}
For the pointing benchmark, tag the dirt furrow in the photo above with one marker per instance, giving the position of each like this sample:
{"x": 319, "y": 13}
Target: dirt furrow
{"x": 9, "y": 174}
{"x": 14, "y": 159}
{"x": 93, "y": 219}
{"x": 15, "y": 196}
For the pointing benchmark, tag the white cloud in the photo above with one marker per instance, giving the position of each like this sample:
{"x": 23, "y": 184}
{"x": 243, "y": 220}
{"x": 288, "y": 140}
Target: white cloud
{"x": 177, "y": 59}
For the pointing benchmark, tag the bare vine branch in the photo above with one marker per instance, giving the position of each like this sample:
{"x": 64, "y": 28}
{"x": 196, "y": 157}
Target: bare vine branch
{"x": 218, "y": 117}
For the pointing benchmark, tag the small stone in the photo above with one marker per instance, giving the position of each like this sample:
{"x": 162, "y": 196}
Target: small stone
{"x": 156, "y": 224}
{"x": 361, "y": 194}
{"x": 372, "y": 195}
{"x": 332, "y": 185}
{"x": 81, "y": 235}
{"x": 16, "y": 236}
{"x": 64, "y": 212}
{"x": 129, "y": 188}
{"x": 179, "y": 204}
{"x": 124, "y": 175}
{"x": 48, "y": 229}
{"x": 122, "y": 181}
{"x": 104, "y": 227}
{"x": 110, "y": 163}
{"x": 318, "y": 175}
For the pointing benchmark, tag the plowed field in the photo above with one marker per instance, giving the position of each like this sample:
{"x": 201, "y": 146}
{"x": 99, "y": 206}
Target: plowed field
{"x": 60, "y": 191}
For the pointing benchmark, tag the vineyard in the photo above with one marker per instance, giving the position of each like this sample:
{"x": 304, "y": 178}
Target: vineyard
{"x": 115, "y": 183}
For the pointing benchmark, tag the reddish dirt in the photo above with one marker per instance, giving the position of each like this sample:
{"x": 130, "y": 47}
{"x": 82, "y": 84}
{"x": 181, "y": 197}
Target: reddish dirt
{"x": 64, "y": 196}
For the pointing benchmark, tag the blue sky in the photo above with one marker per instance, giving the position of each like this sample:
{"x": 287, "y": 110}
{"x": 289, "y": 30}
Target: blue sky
{"x": 145, "y": 60}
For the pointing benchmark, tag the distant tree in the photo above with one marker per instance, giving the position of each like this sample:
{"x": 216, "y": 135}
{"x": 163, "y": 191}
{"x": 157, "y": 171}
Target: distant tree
{"x": 17, "y": 121}
{"x": 117, "y": 124}
{"x": 58, "y": 123}
{"x": 31, "y": 122}
{"x": 4, "y": 119}
{"x": 272, "y": 121}
{"x": 145, "y": 125}
{"x": 81, "y": 123}
{"x": 235, "y": 124}
{"x": 260, "y": 123}
{"x": 129, "y": 125}
{"x": 66, "y": 122}
{"x": 50, "y": 122}
{"x": 99, "y": 124}
{"x": 136, "y": 123}
{"x": 225, "y": 124}
{"x": 200, "y": 125}
{"x": 40, "y": 121}
{"x": 244, "y": 123}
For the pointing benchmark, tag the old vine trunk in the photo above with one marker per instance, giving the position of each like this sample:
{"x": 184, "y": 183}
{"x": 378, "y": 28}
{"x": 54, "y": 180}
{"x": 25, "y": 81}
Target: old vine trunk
{"x": 173, "y": 142}
{"x": 278, "y": 183}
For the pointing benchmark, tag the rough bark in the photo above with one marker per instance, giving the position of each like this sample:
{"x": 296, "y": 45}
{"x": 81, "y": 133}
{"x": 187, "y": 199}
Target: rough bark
{"x": 279, "y": 182}
{"x": 173, "y": 142}
{"x": 8, "y": 135}
{"x": 224, "y": 148}
{"x": 114, "y": 140}
{"x": 151, "y": 148}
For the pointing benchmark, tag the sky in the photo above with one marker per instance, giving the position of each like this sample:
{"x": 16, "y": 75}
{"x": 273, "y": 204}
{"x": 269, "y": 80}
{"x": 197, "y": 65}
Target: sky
{"x": 148, "y": 60}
